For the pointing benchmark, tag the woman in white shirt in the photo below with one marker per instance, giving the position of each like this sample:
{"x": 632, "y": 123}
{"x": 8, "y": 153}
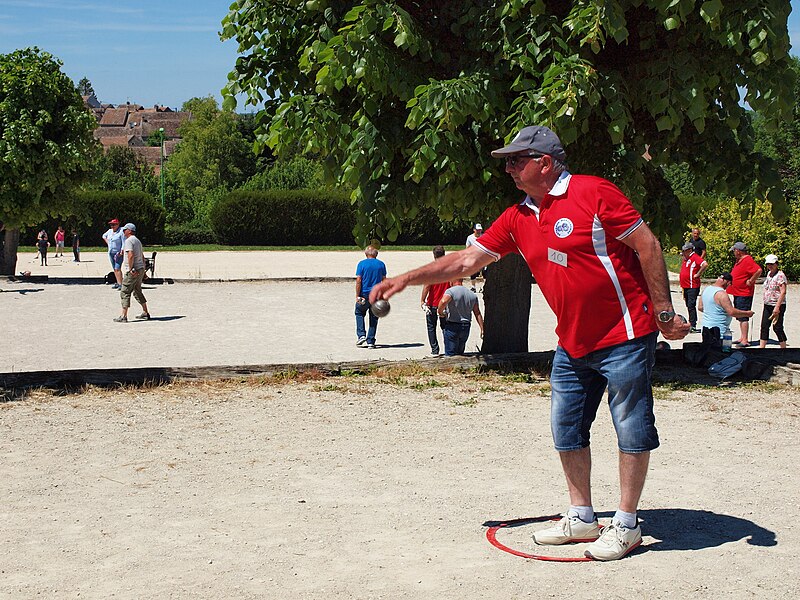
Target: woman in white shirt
{"x": 774, "y": 302}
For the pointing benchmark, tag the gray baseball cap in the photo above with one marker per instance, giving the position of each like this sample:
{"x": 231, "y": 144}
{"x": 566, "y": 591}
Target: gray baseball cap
{"x": 739, "y": 246}
{"x": 534, "y": 138}
{"x": 687, "y": 246}
{"x": 130, "y": 226}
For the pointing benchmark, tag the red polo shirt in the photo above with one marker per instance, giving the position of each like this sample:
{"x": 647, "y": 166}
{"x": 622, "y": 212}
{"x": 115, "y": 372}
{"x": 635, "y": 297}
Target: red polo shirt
{"x": 742, "y": 271}
{"x": 435, "y": 293}
{"x": 689, "y": 269}
{"x": 591, "y": 279}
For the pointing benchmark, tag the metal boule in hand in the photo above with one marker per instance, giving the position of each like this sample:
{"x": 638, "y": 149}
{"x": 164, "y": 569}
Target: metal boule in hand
{"x": 380, "y": 308}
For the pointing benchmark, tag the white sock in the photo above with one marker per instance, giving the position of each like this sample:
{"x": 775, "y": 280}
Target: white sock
{"x": 625, "y": 519}
{"x": 584, "y": 513}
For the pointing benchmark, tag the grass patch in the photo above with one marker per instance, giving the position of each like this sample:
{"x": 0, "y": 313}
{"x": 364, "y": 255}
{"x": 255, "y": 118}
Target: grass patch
{"x": 521, "y": 378}
{"x": 403, "y": 370}
{"x": 471, "y": 401}
{"x": 351, "y": 373}
{"x": 424, "y": 385}
{"x": 330, "y": 387}
{"x": 490, "y": 388}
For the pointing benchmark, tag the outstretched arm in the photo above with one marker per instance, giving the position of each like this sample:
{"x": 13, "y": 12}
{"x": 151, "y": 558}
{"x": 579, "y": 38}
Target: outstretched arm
{"x": 447, "y": 268}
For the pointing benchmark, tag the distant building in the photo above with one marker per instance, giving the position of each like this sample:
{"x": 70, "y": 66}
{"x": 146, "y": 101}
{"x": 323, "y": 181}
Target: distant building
{"x": 130, "y": 125}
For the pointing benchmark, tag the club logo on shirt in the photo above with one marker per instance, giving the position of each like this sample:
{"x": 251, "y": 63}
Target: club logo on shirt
{"x": 563, "y": 228}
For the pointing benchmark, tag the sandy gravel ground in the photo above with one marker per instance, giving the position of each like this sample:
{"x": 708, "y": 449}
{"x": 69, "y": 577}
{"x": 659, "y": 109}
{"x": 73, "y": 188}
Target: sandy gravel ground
{"x": 380, "y": 487}
{"x": 69, "y": 326}
{"x": 229, "y": 265}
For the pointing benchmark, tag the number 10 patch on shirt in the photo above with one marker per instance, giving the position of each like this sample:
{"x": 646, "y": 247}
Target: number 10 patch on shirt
{"x": 560, "y": 258}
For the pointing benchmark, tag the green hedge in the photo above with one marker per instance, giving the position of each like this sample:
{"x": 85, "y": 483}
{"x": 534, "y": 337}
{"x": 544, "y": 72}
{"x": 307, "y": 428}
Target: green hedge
{"x": 177, "y": 235}
{"x": 94, "y": 209}
{"x": 283, "y": 218}
{"x": 312, "y": 218}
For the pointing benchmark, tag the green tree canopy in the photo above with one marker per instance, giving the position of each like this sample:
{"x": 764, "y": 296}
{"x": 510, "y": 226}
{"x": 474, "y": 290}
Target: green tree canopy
{"x": 46, "y": 143}
{"x": 121, "y": 169}
{"x": 405, "y": 99}
{"x": 213, "y": 153}
{"x": 782, "y": 142}
{"x": 85, "y": 87}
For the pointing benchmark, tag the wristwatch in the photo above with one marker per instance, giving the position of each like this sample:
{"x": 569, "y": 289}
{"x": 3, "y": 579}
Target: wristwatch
{"x": 665, "y": 316}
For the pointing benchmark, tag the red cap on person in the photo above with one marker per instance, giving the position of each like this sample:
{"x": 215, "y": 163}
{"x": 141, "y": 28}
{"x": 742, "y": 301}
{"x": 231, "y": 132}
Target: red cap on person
{"x": 114, "y": 222}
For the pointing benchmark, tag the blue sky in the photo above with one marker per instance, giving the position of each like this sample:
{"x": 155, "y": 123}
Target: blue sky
{"x": 149, "y": 52}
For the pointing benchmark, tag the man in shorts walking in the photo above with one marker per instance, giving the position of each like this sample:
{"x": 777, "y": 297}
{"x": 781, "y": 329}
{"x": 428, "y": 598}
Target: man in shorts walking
{"x": 602, "y": 272}
{"x": 114, "y": 239}
{"x": 132, "y": 282}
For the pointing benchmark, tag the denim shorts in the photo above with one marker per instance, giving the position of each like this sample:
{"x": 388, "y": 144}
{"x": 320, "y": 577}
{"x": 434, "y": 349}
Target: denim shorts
{"x": 578, "y": 386}
{"x": 743, "y": 303}
{"x": 116, "y": 261}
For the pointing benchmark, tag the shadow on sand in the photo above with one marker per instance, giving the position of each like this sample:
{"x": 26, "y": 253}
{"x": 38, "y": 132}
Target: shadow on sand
{"x": 22, "y": 291}
{"x": 680, "y": 529}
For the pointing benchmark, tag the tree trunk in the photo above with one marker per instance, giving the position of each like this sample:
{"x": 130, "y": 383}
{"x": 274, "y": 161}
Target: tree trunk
{"x": 507, "y": 297}
{"x": 8, "y": 251}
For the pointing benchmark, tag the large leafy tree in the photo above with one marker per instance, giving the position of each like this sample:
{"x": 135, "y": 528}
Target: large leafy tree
{"x": 405, "y": 99}
{"x": 46, "y": 144}
{"x": 782, "y": 143}
{"x": 213, "y": 156}
{"x": 121, "y": 169}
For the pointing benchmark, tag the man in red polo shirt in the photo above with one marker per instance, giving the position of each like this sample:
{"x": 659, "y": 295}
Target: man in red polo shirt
{"x": 602, "y": 272}
{"x": 745, "y": 272}
{"x": 429, "y": 301}
{"x": 692, "y": 267}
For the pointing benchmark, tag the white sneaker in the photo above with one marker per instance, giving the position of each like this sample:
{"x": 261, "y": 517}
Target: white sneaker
{"x": 362, "y": 341}
{"x": 567, "y": 531}
{"x": 615, "y": 542}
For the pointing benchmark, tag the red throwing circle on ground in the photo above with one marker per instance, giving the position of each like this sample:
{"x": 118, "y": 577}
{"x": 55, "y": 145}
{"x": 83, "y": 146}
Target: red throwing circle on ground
{"x": 491, "y": 535}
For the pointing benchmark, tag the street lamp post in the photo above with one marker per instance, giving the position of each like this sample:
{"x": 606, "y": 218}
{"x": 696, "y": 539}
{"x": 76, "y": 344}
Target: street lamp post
{"x": 161, "y": 170}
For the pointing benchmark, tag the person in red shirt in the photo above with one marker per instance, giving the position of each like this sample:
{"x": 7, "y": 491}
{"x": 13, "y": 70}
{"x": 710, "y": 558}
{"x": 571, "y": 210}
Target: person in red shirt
{"x": 692, "y": 267}
{"x": 745, "y": 273}
{"x": 431, "y": 296}
{"x": 602, "y": 272}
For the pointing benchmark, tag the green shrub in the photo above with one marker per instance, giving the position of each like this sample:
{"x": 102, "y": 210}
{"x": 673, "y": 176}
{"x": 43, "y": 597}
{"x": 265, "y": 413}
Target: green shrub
{"x": 93, "y": 210}
{"x": 754, "y": 225}
{"x": 177, "y": 235}
{"x": 426, "y": 228}
{"x": 295, "y": 174}
{"x": 283, "y": 218}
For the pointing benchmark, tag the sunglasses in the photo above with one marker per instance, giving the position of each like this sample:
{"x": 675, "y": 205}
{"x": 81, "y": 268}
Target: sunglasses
{"x": 513, "y": 161}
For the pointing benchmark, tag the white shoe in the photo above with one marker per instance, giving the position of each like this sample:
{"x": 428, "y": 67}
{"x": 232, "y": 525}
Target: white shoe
{"x": 568, "y": 530}
{"x": 362, "y": 341}
{"x": 615, "y": 542}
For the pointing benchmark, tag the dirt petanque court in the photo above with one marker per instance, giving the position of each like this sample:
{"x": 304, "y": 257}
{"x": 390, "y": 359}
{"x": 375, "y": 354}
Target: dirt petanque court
{"x": 377, "y": 486}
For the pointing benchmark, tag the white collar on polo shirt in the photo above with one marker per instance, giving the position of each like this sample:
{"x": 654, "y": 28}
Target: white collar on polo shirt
{"x": 559, "y": 189}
